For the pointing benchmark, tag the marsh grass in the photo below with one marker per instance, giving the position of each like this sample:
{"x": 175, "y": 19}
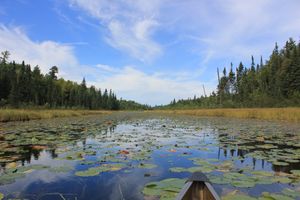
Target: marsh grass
{"x": 7, "y": 115}
{"x": 278, "y": 114}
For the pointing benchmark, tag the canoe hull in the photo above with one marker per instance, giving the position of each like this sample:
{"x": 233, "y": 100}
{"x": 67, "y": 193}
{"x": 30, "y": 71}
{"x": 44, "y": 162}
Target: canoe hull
{"x": 198, "y": 188}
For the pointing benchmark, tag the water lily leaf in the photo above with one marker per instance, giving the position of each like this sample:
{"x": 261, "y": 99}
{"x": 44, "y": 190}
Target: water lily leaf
{"x": 237, "y": 197}
{"x": 168, "y": 195}
{"x": 61, "y": 169}
{"x": 292, "y": 161}
{"x": 243, "y": 183}
{"x": 280, "y": 163}
{"x": 226, "y": 165}
{"x": 264, "y": 180}
{"x": 291, "y": 193}
{"x": 146, "y": 166}
{"x": 87, "y": 173}
{"x": 296, "y": 172}
{"x": 151, "y": 191}
{"x": 233, "y": 175}
{"x": 165, "y": 189}
{"x": 94, "y": 171}
{"x": 282, "y": 179}
{"x": 275, "y": 196}
{"x": 10, "y": 178}
{"x": 213, "y": 160}
{"x": 218, "y": 180}
{"x": 267, "y": 146}
{"x": 177, "y": 169}
{"x": 263, "y": 173}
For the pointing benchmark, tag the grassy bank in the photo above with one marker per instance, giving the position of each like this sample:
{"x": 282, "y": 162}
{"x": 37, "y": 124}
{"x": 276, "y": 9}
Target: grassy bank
{"x": 279, "y": 114}
{"x": 7, "y": 115}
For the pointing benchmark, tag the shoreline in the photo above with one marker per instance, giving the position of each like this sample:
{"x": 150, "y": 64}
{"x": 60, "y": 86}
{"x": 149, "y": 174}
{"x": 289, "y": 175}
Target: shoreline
{"x": 289, "y": 114}
{"x": 273, "y": 114}
{"x": 10, "y": 115}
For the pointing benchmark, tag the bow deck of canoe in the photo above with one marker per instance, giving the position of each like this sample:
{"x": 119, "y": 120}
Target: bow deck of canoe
{"x": 198, "y": 188}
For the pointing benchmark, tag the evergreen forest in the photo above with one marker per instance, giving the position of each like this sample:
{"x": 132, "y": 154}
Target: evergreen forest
{"x": 271, "y": 83}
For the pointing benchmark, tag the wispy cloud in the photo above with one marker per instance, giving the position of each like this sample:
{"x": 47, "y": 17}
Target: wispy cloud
{"x": 130, "y": 24}
{"x": 128, "y": 81}
{"x": 236, "y": 29}
{"x": 155, "y": 88}
{"x": 45, "y": 53}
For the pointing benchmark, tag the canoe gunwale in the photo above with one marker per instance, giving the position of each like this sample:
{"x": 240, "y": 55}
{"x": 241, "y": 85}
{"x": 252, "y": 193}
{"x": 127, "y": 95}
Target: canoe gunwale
{"x": 198, "y": 179}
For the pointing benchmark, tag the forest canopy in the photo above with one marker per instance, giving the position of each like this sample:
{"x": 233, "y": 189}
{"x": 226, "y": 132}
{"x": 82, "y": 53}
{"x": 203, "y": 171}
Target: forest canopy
{"x": 22, "y": 87}
{"x": 273, "y": 83}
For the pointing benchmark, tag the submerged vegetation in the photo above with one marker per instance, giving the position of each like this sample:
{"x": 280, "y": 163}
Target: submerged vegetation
{"x": 277, "y": 114}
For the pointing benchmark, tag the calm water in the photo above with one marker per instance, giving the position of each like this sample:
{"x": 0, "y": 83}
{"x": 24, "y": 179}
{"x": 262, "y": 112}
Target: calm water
{"x": 114, "y": 157}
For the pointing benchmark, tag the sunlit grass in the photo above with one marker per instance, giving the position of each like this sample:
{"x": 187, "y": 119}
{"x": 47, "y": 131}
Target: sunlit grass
{"x": 7, "y": 115}
{"x": 281, "y": 114}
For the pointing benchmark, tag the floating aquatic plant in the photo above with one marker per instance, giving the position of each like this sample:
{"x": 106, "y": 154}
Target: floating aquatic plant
{"x": 165, "y": 189}
{"x": 94, "y": 171}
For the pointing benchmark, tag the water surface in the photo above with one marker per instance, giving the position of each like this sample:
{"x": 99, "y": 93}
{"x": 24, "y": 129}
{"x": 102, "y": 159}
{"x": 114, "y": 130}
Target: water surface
{"x": 134, "y": 155}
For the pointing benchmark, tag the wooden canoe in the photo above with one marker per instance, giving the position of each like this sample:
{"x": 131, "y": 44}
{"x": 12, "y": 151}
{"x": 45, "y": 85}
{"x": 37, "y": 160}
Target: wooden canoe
{"x": 198, "y": 188}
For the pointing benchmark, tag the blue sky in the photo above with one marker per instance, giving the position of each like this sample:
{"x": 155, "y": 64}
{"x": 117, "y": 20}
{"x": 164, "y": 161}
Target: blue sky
{"x": 147, "y": 51}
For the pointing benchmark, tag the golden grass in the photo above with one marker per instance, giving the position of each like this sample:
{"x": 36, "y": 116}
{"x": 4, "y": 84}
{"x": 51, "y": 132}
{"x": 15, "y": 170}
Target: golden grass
{"x": 7, "y": 115}
{"x": 277, "y": 114}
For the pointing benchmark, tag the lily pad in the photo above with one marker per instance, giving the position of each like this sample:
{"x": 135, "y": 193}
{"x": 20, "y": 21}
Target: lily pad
{"x": 280, "y": 163}
{"x": 273, "y": 196}
{"x": 296, "y": 172}
{"x": 237, "y": 197}
{"x": 94, "y": 171}
{"x": 146, "y": 165}
{"x": 218, "y": 180}
{"x": 61, "y": 169}
{"x": 291, "y": 193}
{"x": 243, "y": 183}
{"x": 282, "y": 179}
{"x": 165, "y": 189}
{"x": 263, "y": 173}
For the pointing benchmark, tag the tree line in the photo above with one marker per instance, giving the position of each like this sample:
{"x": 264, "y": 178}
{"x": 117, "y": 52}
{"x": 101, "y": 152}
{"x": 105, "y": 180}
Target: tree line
{"x": 273, "y": 83}
{"x": 23, "y": 87}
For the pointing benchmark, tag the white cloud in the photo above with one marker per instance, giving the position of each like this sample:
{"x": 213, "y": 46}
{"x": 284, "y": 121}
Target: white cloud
{"x": 232, "y": 29}
{"x": 157, "y": 88}
{"x": 135, "y": 40}
{"x": 45, "y": 54}
{"x": 130, "y": 24}
{"x": 128, "y": 82}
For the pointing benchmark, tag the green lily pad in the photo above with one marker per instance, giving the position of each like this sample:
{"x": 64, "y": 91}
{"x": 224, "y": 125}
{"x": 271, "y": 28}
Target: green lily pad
{"x": 10, "y": 178}
{"x": 165, "y": 189}
{"x": 296, "y": 172}
{"x": 146, "y": 166}
{"x": 204, "y": 169}
{"x": 61, "y": 169}
{"x": 266, "y": 146}
{"x": 291, "y": 193}
{"x": 274, "y": 196}
{"x": 243, "y": 183}
{"x": 279, "y": 163}
{"x": 237, "y": 197}
{"x": 282, "y": 179}
{"x": 263, "y": 173}
{"x": 94, "y": 171}
{"x": 87, "y": 173}
{"x": 218, "y": 180}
